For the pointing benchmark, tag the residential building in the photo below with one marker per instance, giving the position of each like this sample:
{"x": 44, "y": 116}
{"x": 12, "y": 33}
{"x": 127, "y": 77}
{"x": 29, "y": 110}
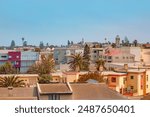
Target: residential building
{"x": 119, "y": 56}
{"x": 132, "y": 82}
{"x": 96, "y": 54}
{"x": 145, "y": 56}
{"x": 77, "y": 91}
{"x": 15, "y": 58}
{"x": 30, "y": 80}
{"x": 21, "y": 60}
{"x": 62, "y": 55}
{"x": 18, "y": 93}
{"x": 28, "y": 58}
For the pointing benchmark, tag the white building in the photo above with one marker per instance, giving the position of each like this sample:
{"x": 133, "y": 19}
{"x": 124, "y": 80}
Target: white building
{"x": 28, "y": 58}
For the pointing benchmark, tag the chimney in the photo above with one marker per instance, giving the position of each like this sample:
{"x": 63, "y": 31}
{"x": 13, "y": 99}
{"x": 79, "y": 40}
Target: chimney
{"x": 10, "y": 93}
{"x": 126, "y": 67}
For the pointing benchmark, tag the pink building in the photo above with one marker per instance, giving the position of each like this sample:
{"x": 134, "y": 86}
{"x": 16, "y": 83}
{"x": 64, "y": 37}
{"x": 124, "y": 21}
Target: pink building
{"x": 15, "y": 58}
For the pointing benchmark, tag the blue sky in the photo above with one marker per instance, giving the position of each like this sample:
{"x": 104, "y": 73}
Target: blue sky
{"x": 56, "y": 21}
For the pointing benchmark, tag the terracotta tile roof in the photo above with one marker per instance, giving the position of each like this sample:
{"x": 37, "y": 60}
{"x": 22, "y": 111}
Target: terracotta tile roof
{"x": 54, "y": 88}
{"x": 18, "y": 93}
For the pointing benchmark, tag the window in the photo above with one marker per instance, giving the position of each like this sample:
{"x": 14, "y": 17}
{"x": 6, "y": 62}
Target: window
{"x": 147, "y": 77}
{"x": 131, "y": 57}
{"x": 123, "y": 57}
{"x": 3, "y": 56}
{"x": 109, "y": 57}
{"x": 10, "y": 56}
{"x": 94, "y": 51}
{"x": 131, "y": 77}
{"x": 54, "y": 97}
{"x": 141, "y": 87}
{"x": 124, "y": 80}
{"x": 126, "y": 57}
{"x": 17, "y": 56}
{"x": 16, "y": 63}
{"x": 113, "y": 79}
{"x": 132, "y": 87}
{"x": 117, "y": 57}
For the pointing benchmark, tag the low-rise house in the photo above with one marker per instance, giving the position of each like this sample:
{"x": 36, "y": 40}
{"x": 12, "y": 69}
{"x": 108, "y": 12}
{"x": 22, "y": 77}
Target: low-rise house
{"x": 77, "y": 91}
{"x": 71, "y": 76}
{"x": 30, "y": 80}
{"x": 54, "y": 91}
{"x": 18, "y": 93}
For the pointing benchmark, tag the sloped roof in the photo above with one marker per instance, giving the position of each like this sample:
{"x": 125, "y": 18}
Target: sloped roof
{"x": 81, "y": 91}
{"x": 61, "y": 88}
{"x": 95, "y": 91}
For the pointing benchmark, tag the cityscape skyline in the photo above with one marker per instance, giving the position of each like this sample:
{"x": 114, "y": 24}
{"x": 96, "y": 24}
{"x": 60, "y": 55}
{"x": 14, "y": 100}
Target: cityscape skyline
{"x": 55, "y": 22}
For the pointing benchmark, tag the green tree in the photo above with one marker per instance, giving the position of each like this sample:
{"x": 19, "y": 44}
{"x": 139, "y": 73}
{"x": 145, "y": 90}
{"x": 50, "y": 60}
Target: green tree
{"x": 76, "y": 63}
{"x": 44, "y": 79}
{"x": 135, "y": 42}
{"x": 91, "y": 75}
{"x": 68, "y": 43}
{"x": 25, "y": 43}
{"x": 113, "y": 45}
{"x": 45, "y": 66}
{"x": 7, "y": 68}
{"x": 12, "y": 45}
{"x": 86, "y": 57}
{"x": 100, "y": 63}
{"x": 126, "y": 41}
{"x": 11, "y": 81}
{"x": 37, "y": 49}
{"x": 41, "y": 45}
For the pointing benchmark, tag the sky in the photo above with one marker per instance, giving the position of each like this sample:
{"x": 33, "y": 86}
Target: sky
{"x": 57, "y": 21}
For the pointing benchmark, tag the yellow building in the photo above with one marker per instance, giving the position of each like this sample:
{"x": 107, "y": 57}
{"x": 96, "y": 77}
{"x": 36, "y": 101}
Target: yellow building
{"x": 134, "y": 82}
{"x": 29, "y": 79}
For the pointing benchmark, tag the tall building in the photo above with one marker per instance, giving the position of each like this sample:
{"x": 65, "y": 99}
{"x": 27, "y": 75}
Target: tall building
{"x": 117, "y": 41}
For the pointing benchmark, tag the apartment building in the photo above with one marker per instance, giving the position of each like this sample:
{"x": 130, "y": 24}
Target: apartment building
{"x": 133, "y": 82}
{"x": 62, "y": 55}
{"x": 117, "y": 55}
{"x": 12, "y": 56}
{"x": 28, "y": 58}
{"x": 96, "y": 54}
{"x": 145, "y": 55}
{"x": 21, "y": 60}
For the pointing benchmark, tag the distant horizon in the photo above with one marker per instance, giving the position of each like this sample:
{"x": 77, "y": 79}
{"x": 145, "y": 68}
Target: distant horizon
{"x": 57, "y": 21}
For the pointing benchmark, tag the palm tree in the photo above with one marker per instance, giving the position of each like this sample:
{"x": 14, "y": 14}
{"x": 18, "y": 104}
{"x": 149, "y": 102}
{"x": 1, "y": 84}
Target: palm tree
{"x": 44, "y": 79}
{"x": 76, "y": 64}
{"x": 45, "y": 66}
{"x": 91, "y": 75}
{"x": 7, "y": 68}
{"x": 100, "y": 63}
{"x": 11, "y": 81}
